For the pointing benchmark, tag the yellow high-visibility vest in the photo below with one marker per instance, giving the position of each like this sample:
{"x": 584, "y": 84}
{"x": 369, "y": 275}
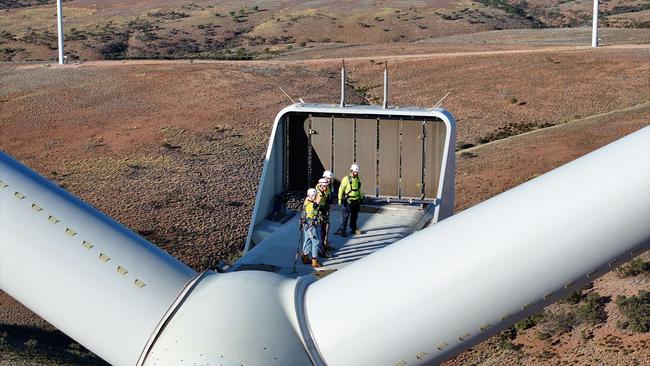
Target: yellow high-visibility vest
{"x": 310, "y": 209}
{"x": 350, "y": 188}
{"x": 324, "y": 196}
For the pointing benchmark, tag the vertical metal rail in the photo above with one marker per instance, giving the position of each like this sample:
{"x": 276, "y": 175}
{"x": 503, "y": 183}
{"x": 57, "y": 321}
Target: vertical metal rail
{"x": 594, "y": 31}
{"x": 343, "y": 85}
{"x": 310, "y": 150}
{"x": 423, "y": 138}
{"x": 385, "y": 104}
{"x": 59, "y": 21}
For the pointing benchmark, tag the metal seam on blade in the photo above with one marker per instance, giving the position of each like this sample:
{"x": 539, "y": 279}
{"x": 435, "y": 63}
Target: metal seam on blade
{"x": 307, "y": 335}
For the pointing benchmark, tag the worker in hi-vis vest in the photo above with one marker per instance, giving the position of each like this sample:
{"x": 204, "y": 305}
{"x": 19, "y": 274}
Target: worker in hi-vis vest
{"x": 309, "y": 223}
{"x": 323, "y": 195}
{"x": 350, "y": 197}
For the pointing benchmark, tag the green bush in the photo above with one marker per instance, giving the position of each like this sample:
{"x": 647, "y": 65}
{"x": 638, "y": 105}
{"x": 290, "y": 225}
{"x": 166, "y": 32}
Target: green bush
{"x": 506, "y": 337}
{"x": 579, "y": 295}
{"x": 636, "y": 310}
{"x": 634, "y": 268}
{"x": 542, "y": 335}
{"x": 592, "y": 309}
{"x": 560, "y": 322}
{"x": 531, "y": 321}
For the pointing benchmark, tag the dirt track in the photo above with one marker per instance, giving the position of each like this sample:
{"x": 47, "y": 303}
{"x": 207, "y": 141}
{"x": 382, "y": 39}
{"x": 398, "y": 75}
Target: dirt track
{"x": 327, "y": 61}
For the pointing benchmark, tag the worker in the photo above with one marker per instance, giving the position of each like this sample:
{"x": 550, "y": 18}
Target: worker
{"x": 330, "y": 178}
{"x": 350, "y": 197}
{"x": 323, "y": 195}
{"x": 309, "y": 223}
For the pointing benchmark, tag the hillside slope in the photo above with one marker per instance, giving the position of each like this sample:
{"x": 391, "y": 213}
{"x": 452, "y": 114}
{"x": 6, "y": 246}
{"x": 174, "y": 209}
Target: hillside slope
{"x": 119, "y": 29}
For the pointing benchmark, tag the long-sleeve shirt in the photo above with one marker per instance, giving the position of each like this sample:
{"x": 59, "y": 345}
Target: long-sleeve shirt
{"x": 350, "y": 189}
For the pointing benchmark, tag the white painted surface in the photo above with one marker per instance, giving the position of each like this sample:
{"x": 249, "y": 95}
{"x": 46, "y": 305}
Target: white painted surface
{"x": 46, "y": 267}
{"x": 241, "y": 318}
{"x": 513, "y": 254}
{"x": 272, "y": 170}
{"x": 59, "y": 27}
{"x": 391, "y": 223}
{"x": 594, "y": 31}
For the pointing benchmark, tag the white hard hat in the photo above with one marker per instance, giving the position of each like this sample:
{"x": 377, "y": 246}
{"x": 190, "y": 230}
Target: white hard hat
{"x": 311, "y": 192}
{"x": 328, "y": 174}
{"x": 354, "y": 167}
{"x": 324, "y": 181}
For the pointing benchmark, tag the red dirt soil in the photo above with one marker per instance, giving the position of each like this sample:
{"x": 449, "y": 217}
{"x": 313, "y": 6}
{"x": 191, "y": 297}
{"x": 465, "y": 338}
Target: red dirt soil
{"x": 174, "y": 150}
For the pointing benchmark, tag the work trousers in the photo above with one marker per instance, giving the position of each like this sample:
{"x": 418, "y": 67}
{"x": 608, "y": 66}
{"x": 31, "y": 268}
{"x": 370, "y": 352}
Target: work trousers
{"x": 351, "y": 210}
{"x": 311, "y": 242}
{"x": 324, "y": 226}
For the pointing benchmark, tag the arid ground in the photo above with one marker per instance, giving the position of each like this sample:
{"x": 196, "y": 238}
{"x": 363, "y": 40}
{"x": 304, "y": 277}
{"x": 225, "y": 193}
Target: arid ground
{"x": 174, "y": 149}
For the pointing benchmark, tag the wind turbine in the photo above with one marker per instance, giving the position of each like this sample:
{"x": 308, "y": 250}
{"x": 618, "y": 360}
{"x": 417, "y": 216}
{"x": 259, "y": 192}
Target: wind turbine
{"x": 594, "y": 31}
{"x": 59, "y": 18}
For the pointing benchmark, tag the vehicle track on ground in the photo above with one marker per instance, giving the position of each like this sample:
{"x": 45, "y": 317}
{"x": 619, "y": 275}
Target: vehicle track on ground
{"x": 645, "y": 106}
{"x": 109, "y": 63}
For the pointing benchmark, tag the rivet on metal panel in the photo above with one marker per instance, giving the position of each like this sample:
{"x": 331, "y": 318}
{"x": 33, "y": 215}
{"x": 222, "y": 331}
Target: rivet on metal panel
{"x": 401, "y": 363}
{"x": 87, "y": 245}
{"x": 442, "y": 346}
{"x": 70, "y": 232}
{"x": 591, "y": 273}
{"x": 139, "y": 284}
{"x": 421, "y": 355}
{"x": 121, "y": 270}
{"x": 526, "y": 306}
{"x": 613, "y": 262}
{"x": 505, "y": 316}
{"x": 104, "y": 258}
{"x": 485, "y": 327}
{"x": 52, "y": 219}
{"x": 3, "y": 184}
{"x": 464, "y": 337}
{"x": 19, "y": 195}
{"x": 547, "y": 295}
{"x": 36, "y": 207}
{"x": 569, "y": 284}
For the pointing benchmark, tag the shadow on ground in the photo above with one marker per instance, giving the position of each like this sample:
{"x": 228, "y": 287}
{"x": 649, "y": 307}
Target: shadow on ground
{"x": 42, "y": 346}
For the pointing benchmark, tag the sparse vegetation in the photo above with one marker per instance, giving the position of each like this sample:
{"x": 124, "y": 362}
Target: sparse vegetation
{"x": 636, "y": 267}
{"x": 579, "y": 295}
{"x": 636, "y": 310}
{"x": 560, "y": 322}
{"x": 592, "y": 309}
{"x": 171, "y": 15}
{"x": 506, "y": 339}
{"x": 511, "y": 129}
{"x": 31, "y": 343}
{"x": 531, "y": 321}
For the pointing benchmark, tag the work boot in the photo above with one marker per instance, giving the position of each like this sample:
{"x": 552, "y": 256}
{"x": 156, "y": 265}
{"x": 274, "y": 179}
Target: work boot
{"x": 305, "y": 259}
{"x": 314, "y": 263}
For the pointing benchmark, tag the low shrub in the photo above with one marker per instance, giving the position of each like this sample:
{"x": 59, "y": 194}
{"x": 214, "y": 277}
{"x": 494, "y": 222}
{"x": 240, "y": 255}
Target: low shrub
{"x": 636, "y": 310}
{"x": 560, "y": 322}
{"x": 592, "y": 309}
{"x": 634, "y": 268}
{"x": 531, "y": 321}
